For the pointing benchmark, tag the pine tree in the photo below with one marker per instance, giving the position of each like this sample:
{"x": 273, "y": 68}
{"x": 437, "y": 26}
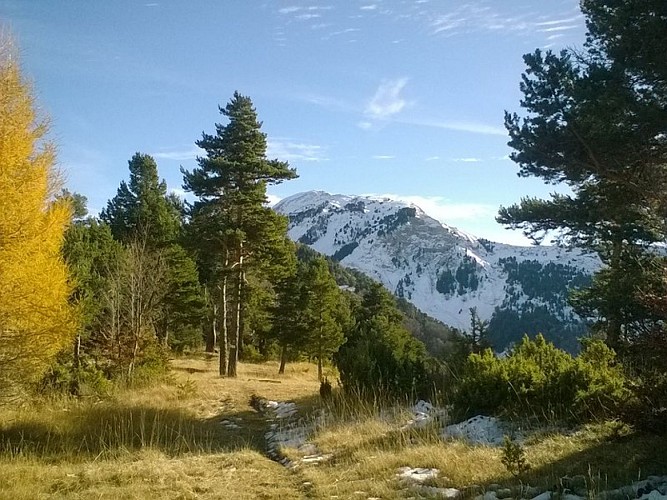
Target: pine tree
{"x": 36, "y": 320}
{"x": 326, "y": 312}
{"x": 143, "y": 214}
{"x": 596, "y": 122}
{"x": 142, "y": 207}
{"x": 379, "y": 354}
{"x": 232, "y": 221}
{"x": 92, "y": 255}
{"x": 289, "y": 326}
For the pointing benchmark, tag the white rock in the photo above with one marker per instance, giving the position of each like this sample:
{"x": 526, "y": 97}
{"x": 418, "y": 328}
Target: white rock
{"x": 653, "y": 495}
{"x": 478, "y": 430}
{"x": 417, "y": 475}
{"x": 433, "y": 491}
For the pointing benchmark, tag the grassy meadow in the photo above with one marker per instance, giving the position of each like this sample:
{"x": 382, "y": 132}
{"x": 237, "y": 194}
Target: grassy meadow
{"x": 168, "y": 441}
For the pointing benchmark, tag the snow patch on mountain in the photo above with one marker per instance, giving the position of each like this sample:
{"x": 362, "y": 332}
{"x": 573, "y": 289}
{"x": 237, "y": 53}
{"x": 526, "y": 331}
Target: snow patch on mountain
{"x": 440, "y": 269}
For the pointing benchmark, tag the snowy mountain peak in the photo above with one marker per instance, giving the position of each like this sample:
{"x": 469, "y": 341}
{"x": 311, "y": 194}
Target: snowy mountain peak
{"x": 442, "y": 270}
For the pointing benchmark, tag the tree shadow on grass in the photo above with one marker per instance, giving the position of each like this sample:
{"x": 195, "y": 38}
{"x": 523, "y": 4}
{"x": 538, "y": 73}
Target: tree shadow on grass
{"x": 107, "y": 430}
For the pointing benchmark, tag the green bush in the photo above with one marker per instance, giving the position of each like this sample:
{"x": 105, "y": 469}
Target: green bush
{"x": 539, "y": 380}
{"x": 63, "y": 377}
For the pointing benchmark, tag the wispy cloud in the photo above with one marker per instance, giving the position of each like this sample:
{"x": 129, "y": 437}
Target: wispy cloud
{"x": 372, "y": 6}
{"x": 308, "y": 15}
{"x": 476, "y": 17}
{"x": 467, "y": 160}
{"x": 272, "y": 199}
{"x": 178, "y": 155}
{"x": 293, "y": 9}
{"x": 289, "y": 150}
{"x": 387, "y": 100}
{"x": 459, "y": 126}
{"x": 445, "y": 210}
{"x": 431, "y": 158}
{"x": 383, "y": 157}
{"x": 290, "y": 9}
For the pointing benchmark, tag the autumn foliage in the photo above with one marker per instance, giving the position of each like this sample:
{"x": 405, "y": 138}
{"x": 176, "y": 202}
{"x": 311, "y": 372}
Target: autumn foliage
{"x": 35, "y": 318}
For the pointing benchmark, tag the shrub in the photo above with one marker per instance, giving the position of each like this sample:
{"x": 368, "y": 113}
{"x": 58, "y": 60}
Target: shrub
{"x": 539, "y": 380}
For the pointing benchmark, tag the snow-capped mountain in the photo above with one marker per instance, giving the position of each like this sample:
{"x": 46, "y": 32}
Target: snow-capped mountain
{"x": 442, "y": 270}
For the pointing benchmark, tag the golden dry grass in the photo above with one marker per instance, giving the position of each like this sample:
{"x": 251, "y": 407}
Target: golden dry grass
{"x": 167, "y": 441}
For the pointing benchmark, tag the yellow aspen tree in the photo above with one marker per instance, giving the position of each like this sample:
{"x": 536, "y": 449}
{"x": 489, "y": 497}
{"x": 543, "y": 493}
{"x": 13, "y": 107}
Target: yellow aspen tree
{"x": 36, "y": 320}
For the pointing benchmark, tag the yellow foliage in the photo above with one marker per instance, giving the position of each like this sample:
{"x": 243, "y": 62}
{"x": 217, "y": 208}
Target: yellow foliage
{"x": 36, "y": 320}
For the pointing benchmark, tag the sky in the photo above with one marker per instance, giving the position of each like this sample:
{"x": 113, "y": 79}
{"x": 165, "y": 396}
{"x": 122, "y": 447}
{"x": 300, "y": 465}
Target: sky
{"x": 382, "y": 97}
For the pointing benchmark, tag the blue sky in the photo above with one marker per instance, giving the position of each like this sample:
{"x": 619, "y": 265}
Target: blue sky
{"x": 362, "y": 97}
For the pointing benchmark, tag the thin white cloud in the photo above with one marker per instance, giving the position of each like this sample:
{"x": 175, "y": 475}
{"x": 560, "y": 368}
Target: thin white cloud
{"x": 560, "y": 28}
{"x": 383, "y": 157}
{"x": 272, "y": 199}
{"x": 432, "y": 158}
{"x": 308, "y": 15}
{"x": 178, "y": 192}
{"x": 459, "y": 126}
{"x": 372, "y": 6}
{"x": 289, "y": 10}
{"x": 474, "y": 17}
{"x": 289, "y": 150}
{"x": 178, "y": 155}
{"x": 467, "y": 160}
{"x": 446, "y": 211}
{"x": 342, "y": 32}
{"x": 387, "y": 100}
{"x": 363, "y": 125}
{"x": 560, "y": 21}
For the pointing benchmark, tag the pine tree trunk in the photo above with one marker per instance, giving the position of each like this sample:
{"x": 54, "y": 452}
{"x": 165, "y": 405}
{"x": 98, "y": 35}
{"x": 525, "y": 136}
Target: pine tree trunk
{"x": 319, "y": 367}
{"x": 234, "y": 352}
{"x": 614, "y": 320}
{"x": 212, "y": 331}
{"x": 223, "y": 340}
{"x": 283, "y": 360}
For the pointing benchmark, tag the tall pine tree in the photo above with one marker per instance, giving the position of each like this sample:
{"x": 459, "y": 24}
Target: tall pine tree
{"x": 326, "y": 312}
{"x": 596, "y": 121}
{"x": 230, "y": 213}
{"x": 143, "y": 213}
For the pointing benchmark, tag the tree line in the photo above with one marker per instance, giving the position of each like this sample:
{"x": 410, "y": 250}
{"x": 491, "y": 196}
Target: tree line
{"x": 91, "y": 299}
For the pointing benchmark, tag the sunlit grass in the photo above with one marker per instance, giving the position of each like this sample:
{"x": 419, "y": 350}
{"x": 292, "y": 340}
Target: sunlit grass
{"x": 168, "y": 441}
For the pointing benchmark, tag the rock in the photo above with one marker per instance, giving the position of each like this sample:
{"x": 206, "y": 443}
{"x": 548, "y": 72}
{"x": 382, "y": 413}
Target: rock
{"x": 315, "y": 459}
{"x": 654, "y": 495}
{"x": 570, "y": 496}
{"x": 493, "y": 487}
{"x": 503, "y": 493}
{"x": 417, "y": 475}
{"x": 433, "y": 491}
{"x": 543, "y": 496}
{"x": 478, "y": 430}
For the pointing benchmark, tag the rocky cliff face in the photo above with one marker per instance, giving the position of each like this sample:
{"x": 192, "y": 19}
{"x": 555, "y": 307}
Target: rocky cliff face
{"x": 442, "y": 270}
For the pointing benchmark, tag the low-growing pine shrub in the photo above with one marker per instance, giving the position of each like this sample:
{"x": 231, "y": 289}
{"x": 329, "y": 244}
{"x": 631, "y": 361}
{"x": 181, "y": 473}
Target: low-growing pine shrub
{"x": 539, "y": 380}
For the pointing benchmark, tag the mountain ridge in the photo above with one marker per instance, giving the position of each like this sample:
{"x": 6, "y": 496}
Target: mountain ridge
{"x": 442, "y": 270}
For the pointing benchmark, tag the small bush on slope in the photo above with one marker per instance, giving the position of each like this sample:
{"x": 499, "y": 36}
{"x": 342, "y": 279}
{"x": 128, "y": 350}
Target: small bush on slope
{"x": 539, "y": 380}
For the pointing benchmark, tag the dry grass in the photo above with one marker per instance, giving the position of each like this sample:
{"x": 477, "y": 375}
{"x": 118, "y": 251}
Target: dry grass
{"x": 148, "y": 474}
{"x": 167, "y": 441}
